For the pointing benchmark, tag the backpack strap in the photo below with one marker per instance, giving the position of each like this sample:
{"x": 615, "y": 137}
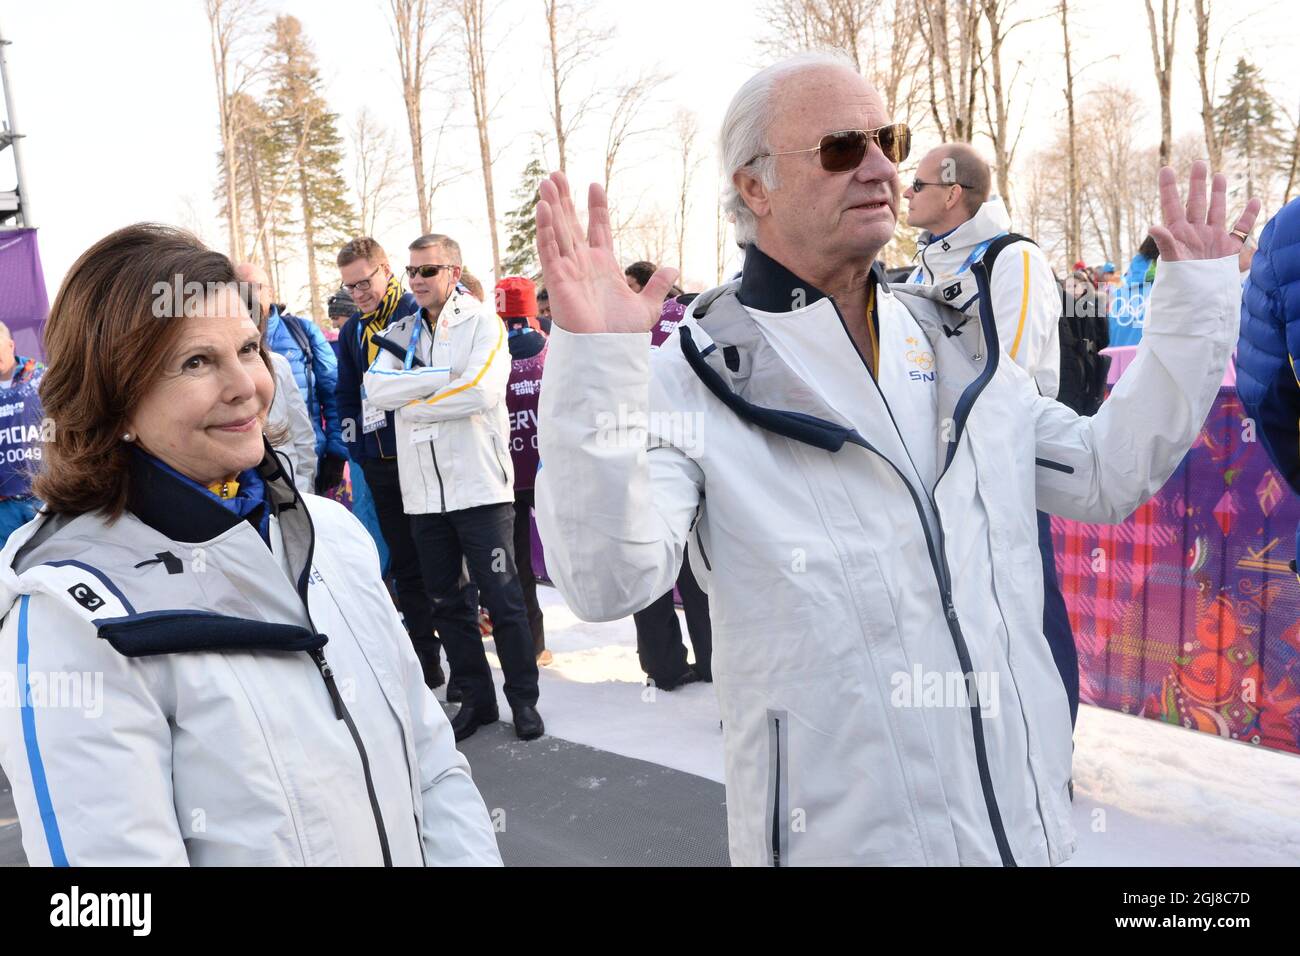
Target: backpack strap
{"x": 997, "y": 245}
{"x": 298, "y": 329}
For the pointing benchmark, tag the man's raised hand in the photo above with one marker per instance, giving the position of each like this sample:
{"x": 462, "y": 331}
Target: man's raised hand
{"x": 585, "y": 282}
{"x": 1198, "y": 231}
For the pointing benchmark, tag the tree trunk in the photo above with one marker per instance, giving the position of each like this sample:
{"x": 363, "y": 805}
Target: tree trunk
{"x": 472, "y": 16}
{"x": 1073, "y": 225}
{"x": 413, "y": 123}
{"x": 309, "y": 238}
{"x": 1162, "y": 56}
{"x": 551, "y": 13}
{"x": 1213, "y": 148}
{"x": 410, "y": 17}
{"x": 999, "y": 117}
{"x": 255, "y": 193}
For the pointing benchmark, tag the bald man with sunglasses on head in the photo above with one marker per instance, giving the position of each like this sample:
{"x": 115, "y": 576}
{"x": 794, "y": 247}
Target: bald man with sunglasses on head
{"x": 950, "y": 199}
{"x": 859, "y": 484}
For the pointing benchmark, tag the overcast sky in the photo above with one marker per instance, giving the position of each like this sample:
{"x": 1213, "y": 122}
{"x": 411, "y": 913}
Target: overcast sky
{"x": 118, "y": 104}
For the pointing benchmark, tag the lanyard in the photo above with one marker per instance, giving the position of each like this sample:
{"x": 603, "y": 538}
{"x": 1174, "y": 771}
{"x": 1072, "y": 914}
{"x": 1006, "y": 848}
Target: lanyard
{"x": 975, "y": 256}
{"x": 415, "y": 341}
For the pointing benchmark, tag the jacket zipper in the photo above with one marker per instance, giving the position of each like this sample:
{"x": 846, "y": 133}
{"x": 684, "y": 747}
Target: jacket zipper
{"x": 943, "y": 577}
{"x": 341, "y": 713}
{"x": 442, "y": 495}
{"x": 776, "y": 797}
{"x": 340, "y": 710}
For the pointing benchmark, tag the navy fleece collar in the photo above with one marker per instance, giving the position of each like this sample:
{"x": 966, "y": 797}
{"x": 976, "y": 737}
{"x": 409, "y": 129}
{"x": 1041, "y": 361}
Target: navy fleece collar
{"x": 184, "y": 510}
{"x": 768, "y": 286}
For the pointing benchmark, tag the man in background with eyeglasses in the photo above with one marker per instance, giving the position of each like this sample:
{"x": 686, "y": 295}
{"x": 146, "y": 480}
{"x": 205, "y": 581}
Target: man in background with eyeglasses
{"x": 371, "y": 434}
{"x": 859, "y": 482}
{"x": 950, "y": 199}
{"x": 443, "y": 371}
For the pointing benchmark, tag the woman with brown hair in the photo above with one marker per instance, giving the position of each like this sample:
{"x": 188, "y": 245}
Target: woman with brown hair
{"x": 209, "y": 668}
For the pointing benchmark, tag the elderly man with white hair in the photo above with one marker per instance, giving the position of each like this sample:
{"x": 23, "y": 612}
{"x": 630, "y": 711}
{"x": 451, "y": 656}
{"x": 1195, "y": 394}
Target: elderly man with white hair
{"x": 859, "y": 484}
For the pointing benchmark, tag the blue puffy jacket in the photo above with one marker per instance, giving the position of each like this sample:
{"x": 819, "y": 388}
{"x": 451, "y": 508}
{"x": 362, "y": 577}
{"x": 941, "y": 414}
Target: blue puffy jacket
{"x": 317, "y": 376}
{"x": 1270, "y": 342}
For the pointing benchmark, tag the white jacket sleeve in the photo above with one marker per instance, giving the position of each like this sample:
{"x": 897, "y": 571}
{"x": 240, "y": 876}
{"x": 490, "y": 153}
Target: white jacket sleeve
{"x": 480, "y": 386}
{"x": 457, "y": 830}
{"x": 90, "y": 770}
{"x": 290, "y": 411}
{"x": 613, "y": 515}
{"x": 1100, "y": 469}
{"x": 1027, "y": 310}
{"x": 389, "y": 386}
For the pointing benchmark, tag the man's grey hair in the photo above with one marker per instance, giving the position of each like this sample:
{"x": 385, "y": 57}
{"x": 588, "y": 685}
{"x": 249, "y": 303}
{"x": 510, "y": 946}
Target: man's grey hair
{"x": 745, "y": 128}
{"x": 447, "y": 245}
{"x": 4, "y": 332}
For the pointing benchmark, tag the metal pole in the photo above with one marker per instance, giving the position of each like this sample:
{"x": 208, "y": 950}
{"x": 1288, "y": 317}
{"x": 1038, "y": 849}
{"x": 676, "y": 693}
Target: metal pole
{"x": 24, "y": 201}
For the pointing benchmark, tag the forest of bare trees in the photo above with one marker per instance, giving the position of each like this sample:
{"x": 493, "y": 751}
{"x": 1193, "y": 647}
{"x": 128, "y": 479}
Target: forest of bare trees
{"x": 294, "y": 176}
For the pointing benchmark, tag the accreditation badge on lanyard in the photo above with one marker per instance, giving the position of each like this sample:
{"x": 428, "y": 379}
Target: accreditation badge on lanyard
{"x": 372, "y": 418}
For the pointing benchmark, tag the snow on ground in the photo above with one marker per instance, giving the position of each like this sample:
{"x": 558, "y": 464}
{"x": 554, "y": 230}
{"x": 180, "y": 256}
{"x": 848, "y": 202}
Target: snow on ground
{"x": 1146, "y": 793}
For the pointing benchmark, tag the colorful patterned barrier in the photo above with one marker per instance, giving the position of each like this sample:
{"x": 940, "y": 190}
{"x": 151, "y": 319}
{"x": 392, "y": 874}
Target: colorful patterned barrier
{"x": 1189, "y": 612}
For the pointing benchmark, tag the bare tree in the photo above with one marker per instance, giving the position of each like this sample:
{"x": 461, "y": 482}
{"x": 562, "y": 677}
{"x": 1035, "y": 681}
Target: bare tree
{"x": 414, "y": 29}
{"x": 472, "y": 15}
{"x": 1073, "y": 222}
{"x": 1109, "y": 158}
{"x": 1162, "y": 58}
{"x": 572, "y": 42}
{"x": 1293, "y": 162}
{"x": 818, "y": 24}
{"x": 997, "y": 106}
{"x": 627, "y": 117}
{"x": 893, "y": 68}
{"x": 686, "y": 128}
{"x": 952, "y": 43}
{"x": 1213, "y": 150}
{"x": 375, "y": 170}
{"x": 232, "y": 23}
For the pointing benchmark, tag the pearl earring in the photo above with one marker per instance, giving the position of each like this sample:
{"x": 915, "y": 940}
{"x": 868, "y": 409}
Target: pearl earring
{"x": 126, "y": 437}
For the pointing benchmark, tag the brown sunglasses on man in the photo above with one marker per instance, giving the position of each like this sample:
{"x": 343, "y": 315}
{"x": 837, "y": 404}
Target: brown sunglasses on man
{"x": 844, "y": 149}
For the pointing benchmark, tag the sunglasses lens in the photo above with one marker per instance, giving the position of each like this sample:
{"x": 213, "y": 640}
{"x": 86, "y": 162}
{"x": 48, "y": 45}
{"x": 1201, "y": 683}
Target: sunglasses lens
{"x": 841, "y": 152}
{"x": 901, "y": 142}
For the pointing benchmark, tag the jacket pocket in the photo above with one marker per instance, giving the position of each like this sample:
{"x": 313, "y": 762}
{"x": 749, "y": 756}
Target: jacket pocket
{"x": 496, "y": 450}
{"x": 778, "y": 788}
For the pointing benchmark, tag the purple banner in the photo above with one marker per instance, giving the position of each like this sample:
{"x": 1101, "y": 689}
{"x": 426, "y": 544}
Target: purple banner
{"x": 24, "y": 304}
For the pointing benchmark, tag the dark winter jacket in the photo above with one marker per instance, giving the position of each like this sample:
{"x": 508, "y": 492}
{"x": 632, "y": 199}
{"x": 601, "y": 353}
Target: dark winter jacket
{"x": 353, "y": 362}
{"x": 316, "y": 374}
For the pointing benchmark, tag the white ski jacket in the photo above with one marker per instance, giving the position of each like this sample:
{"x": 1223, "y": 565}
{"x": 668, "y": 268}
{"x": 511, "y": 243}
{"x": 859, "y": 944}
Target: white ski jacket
{"x": 1025, "y": 297}
{"x": 179, "y": 694}
{"x": 448, "y": 389}
{"x": 864, "y": 546}
{"x": 289, "y": 414}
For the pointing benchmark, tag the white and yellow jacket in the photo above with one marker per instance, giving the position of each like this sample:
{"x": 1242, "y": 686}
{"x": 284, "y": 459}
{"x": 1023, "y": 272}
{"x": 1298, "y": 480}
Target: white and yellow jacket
{"x": 1024, "y": 296}
{"x": 446, "y": 381}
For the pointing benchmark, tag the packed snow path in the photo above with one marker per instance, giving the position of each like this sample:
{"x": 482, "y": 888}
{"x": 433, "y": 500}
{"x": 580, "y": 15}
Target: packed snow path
{"x": 1146, "y": 793}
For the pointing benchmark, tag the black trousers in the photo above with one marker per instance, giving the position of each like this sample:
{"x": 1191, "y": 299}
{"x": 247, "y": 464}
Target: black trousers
{"x": 524, "y": 562}
{"x": 403, "y": 562}
{"x": 1056, "y": 619}
{"x": 483, "y": 538}
{"x": 659, "y": 644}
